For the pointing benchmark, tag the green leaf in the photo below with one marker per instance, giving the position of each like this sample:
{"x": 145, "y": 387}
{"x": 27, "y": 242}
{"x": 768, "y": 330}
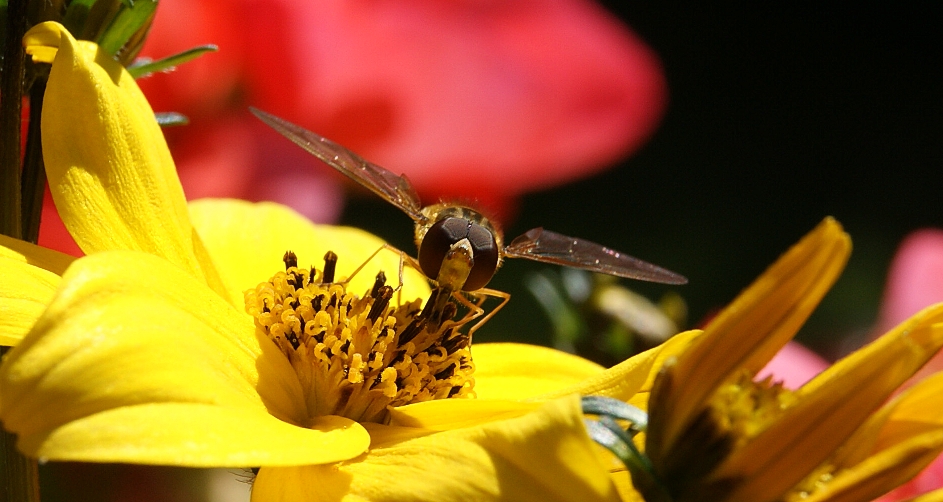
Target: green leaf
{"x": 607, "y": 406}
{"x": 131, "y": 21}
{"x": 76, "y": 15}
{"x": 144, "y": 68}
{"x": 568, "y": 325}
{"x": 607, "y": 433}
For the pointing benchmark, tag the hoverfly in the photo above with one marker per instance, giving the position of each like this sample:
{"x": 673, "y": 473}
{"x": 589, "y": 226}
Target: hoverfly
{"x": 459, "y": 248}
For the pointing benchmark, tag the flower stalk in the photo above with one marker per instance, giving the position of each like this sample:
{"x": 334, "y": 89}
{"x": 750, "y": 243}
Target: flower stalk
{"x": 19, "y": 475}
{"x": 11, "y": 85}
{"x": 34, "y": 171}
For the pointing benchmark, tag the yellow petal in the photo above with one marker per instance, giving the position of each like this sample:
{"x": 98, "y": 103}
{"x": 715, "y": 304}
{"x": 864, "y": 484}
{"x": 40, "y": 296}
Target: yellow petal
{"x": 914, "y": 412}
{"x": 445, "y": 414}
{"x": 197, "y": 435}
{"x": 31, "y": 276}
{"x": 511, "y": 378}
{"x": 543, "y": 456}
{"x": 41, "y": 257}
{"x": 247, "y": 241}
{"x": 24, "y": 293}
{"x": 140, "y": 356}
{"x": 632, "y": 376}
{"x": 510, "y": 371}
{"x": 109, "y": 170}
{"x": 831, "y": 408}
{"x": 901, "y": 338}
{"x": 749, "y": 332}
{"x": 934, "y": 496}
{"x": 623, "y": 482}
{"x": 881, "y": 473}
{"x": 514, "y": 371}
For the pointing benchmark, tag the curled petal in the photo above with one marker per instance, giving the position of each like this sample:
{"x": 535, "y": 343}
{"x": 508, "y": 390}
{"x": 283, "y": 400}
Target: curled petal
{"x": 135, "y": 360}
{"x": 496, "y": 461}
{"x": 109, "y": 169}
{"x": 749, "y": 332}
{"x": 827, "y": 414}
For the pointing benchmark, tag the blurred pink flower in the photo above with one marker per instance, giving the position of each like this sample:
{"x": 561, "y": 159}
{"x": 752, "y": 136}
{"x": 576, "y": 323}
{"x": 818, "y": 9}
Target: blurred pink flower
{"x": 472, "y": 99}
{"x": 794, "y": 365}
{"x": 915, "y": 280}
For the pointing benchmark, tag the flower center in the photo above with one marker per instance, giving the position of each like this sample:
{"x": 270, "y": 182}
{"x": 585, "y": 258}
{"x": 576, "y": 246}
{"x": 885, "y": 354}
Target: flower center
{"x": 745, "y": 407}
{"x": 737, "y": 413}
{"x": 357, "y": 356}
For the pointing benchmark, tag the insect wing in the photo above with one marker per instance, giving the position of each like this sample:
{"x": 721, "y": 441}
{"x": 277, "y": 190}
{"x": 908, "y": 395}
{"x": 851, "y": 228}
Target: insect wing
{"x": 550, "y": 247}
{"x": 394, "y": 188}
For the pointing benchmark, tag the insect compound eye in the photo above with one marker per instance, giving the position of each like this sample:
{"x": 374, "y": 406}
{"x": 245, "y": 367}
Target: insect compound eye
{"x": 446, "y": 232}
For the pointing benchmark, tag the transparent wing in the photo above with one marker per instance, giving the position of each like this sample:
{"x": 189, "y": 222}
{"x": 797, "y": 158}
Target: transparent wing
{"x": 550, "y": 247}
{"x": 392, "y": 187}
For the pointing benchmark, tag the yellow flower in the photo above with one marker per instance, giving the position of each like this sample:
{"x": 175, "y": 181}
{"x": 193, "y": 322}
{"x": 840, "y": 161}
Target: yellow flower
{"x": 714, "y": 434}
{"x": 143, "y": 351}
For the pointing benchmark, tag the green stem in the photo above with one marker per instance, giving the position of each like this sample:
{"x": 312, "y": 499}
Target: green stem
{"x": 34, "y": 171}
{"x": 19, "y": 475}
{"x": 11, "y": 92}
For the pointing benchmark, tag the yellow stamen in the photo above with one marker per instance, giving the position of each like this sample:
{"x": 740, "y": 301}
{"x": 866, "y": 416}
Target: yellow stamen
{"x": 357, "y": 356}
{"x": 749, "y": 406}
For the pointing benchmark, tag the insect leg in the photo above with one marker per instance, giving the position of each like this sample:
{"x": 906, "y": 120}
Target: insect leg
{"x": 476, "y": 311}
{"x": 370, "y": 258}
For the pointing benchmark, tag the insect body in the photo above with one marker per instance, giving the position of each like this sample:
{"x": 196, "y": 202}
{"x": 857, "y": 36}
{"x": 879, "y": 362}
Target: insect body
{"x": 459, "y": 248}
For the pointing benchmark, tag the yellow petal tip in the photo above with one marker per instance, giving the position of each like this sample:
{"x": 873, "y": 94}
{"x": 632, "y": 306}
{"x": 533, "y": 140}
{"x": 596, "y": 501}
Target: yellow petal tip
{"x": 42, "y": 41}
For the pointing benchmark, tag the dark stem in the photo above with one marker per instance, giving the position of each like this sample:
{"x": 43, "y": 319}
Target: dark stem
{"x": 19, "y": 476}
{"x": 11, "y": 93}
{"x": 34, "y": 171}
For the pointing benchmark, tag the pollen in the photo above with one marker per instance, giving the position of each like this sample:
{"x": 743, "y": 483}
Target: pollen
{"x": 745, "y": 407}
{"x": 358, "y": 356}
